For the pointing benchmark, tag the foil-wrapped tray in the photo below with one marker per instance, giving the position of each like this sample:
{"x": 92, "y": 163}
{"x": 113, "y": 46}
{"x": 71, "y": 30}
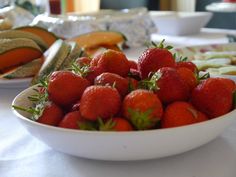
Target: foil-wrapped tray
{"x": 135, "y": 24}
{"x": 17, "y": 16}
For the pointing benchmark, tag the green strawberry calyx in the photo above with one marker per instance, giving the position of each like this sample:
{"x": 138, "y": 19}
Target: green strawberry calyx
{"x": 142, "y": 120}
{"x": 151, "y": 82}
{"x": 80, "y": 70}
{"x": 160, "y": 45}
{"x": 106, "y": 125}
{"x": 87, "y": 125}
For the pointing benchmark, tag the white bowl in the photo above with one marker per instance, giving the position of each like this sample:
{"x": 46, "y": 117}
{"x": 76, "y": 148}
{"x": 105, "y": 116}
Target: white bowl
{"x": 179, "y": 23}
{"x": 122, "y": 146}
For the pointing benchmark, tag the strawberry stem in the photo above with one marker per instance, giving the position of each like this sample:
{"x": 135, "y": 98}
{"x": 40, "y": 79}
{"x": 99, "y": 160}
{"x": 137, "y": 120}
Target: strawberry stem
{"x": 81, "y": 70}
{"x": 141, "y": 120}
{"x": 160, "y": 45}
{"x": 150, "y": 84}
{"x": 107, "y": 126}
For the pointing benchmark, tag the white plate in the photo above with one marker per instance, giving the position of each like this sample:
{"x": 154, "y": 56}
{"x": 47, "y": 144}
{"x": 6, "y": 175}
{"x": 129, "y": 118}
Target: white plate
{"x": 15, "y": 83}
{"x": 122, "y": 146}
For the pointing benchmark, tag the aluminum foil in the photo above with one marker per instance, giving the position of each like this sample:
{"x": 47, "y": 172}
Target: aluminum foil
{"x": 135, "y": 24}
{"x": 16, "y": 15}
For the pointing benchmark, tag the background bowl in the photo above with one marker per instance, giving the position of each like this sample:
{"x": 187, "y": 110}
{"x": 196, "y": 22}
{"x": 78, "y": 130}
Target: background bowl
{"x": 179, "y": 23}
{"x": 122, "y": 146}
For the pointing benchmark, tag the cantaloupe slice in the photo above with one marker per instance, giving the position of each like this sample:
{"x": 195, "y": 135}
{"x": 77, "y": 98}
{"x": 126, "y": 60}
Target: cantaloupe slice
{"x": 12, "y": 34}
{"x": 53, "y": 59}
{"x": 99, "y": 38}
{"x": 46, "y": 35}
{"x": 15, "y": 52}
{"x": 75, "y": 52}
{"x": 27, "y": 70}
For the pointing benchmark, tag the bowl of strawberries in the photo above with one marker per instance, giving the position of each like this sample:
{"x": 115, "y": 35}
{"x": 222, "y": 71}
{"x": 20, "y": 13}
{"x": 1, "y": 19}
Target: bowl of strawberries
{"x": 111, "y": 108}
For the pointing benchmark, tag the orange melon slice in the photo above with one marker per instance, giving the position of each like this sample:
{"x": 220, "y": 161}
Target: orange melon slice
{"x": 99, "y": 38}
{"x": 15, "y": 52}
{"x": 46, "y": 35}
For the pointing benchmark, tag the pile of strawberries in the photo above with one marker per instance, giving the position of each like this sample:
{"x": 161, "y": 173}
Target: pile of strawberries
{"x": 111, "y": 93}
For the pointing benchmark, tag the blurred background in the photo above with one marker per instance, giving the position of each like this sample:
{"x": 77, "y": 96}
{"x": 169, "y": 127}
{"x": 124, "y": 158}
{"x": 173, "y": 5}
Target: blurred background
{"x": 222, "y": 19}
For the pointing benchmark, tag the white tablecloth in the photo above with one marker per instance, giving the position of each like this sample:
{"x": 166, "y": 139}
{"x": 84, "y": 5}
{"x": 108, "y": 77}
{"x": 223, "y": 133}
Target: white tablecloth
{"x": 21, "y": 155}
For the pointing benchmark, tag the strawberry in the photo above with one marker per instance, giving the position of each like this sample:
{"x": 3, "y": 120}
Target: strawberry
{"x": 75, "y": 107}
{"x": 83, "y": 61}
{"x": 188, "y": 76}
{"x": 133, "y": 64}
{"x": 112, "y": 61}
{"x": 99, "y": 102}
{"x": 115, "y": 124}
{"x": 143, "y": 108}
{"x": 171, "y": 87}
{"x": 187, "y": 64}
{"x": 71, "y": 120}
{"x": 212, "y": 97}
{"x": 94, "y": 71}
{"x": 120, "y": 83}
{"x": 95, "y": 59}
{"x": 181, "y": 113}
{"x": 153, "y": 59}
{"x": 134, "y": 73}
{"x": 65, "y": 87}
{"x": 51, "y": 115}
{"x": 229, "y": 84}
{"x": 133, "y": 84}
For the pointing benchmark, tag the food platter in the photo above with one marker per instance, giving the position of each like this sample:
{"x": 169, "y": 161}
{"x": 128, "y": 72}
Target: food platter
{"x": 198, "y": 52}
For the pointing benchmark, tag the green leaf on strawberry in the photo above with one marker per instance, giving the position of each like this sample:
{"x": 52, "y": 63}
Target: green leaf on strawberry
{"x": 141, "y": 120}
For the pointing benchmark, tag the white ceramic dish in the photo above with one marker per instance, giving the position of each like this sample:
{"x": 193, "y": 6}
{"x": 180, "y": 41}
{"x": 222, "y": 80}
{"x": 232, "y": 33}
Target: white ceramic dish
{"x": 15, "y": 83}
{"x": 123, "y": 146}
{"x": 179, "y": 23}
{"x": 192, "y": 51}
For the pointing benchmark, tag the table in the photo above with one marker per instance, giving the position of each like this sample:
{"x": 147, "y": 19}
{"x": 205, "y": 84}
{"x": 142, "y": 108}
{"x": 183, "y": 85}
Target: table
{"x": 21, "y": 155}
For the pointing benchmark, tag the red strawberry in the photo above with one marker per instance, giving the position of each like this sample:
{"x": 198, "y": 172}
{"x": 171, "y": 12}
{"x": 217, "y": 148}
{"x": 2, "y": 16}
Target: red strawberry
{"x": 112, "y": 61}
{"x": 75, "y": 107}
{"x": 52, "y": 114}
{"x": 134, "y": 73}
{"x": 133, "y": 64}
{"x": 143, "y": 108}
{"x": 93, "y": 73}
{"x": 71, "y": 120}
{"x": 212, "y": 97}
{"x": 83, "y": 61}
{"x": 133, "y": 84}
{"x": 99, "y": 102}
{"x": 181, "y": 113}
{"x": 65, "y": 87}
{"x": 187, "y": 64}
{"x": 120, "y": 83}
{"x": 188, "y": 76}
{"x": 153, "y": 59}
{"x": 229, "y": 84}
{"x": 171, "y": 86}
{"x": 115, "y": 124}
{"x": 95, "y": 59}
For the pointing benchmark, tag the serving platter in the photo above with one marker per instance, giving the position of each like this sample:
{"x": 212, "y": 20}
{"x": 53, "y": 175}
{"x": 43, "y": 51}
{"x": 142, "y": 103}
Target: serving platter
{"x": 196, "y": 52}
